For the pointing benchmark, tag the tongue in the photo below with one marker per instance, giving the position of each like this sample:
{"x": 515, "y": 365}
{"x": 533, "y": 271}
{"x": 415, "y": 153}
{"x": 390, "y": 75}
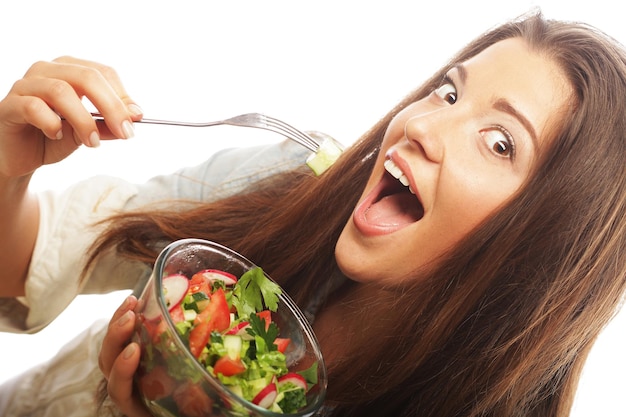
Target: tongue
{"x": 395, "y": 210}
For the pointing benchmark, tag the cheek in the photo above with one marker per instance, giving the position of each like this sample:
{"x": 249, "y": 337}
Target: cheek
{"x": 469, "y": 202}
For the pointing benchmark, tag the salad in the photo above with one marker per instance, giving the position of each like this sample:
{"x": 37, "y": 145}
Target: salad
{"x": 226, "y": 323}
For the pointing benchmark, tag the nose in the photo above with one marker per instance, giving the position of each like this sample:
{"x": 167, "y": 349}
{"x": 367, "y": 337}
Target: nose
{"x": 426, "y": 131}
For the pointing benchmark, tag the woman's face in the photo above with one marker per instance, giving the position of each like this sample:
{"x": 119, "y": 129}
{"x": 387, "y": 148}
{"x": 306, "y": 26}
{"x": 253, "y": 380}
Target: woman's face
{"x": 450, "y": 160}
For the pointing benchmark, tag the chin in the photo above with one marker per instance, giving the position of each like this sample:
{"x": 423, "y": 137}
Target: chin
{"x": 352, "y": 258}
{"x": 367, "y": 259}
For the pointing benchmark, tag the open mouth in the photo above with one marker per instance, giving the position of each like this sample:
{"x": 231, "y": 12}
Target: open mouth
{"x": 392, "y": 204}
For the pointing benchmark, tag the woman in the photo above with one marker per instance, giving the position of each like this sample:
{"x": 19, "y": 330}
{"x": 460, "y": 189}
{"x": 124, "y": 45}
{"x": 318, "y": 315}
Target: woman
{"x": 505, "y": 304}
{"x": 476, "y": 290}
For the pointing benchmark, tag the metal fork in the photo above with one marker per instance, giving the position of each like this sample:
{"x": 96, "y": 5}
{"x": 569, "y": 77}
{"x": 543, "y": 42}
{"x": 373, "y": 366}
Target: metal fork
{"x": 256, "y": 120}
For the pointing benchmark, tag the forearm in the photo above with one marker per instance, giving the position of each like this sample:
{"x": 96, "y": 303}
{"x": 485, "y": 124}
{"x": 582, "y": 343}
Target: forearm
{"x": 19, "y": 223}
{"x": 32, "y": 135}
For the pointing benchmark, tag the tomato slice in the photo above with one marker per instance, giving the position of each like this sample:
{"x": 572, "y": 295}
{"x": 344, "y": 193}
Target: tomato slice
{"x": 228, "y": 366}
{"x": 282, "y": 343}
{"x": 192, "y": 401}
{"x": 199, "y": 283}
{"x": 154, "y": 329}
{"x": 176, "y": 313}
{"x": 267, "y": 316}
{"x": 156, "y": 384}
{"x": 216, "y": 316}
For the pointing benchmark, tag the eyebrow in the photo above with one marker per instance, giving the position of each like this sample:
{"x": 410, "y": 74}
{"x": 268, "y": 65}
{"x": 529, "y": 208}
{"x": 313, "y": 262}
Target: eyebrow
{"x": 503, "y": 105}
{"x": 506, "y": 107}
{"x": 460, "y": 68}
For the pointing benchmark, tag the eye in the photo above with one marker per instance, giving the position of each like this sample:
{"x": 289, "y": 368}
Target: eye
{"x": 500, "y": 142}
{"x": 447, "y": 92}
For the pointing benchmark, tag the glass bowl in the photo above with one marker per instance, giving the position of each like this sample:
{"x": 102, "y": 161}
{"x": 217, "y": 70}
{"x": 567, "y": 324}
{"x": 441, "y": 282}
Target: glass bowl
{"x": 172, "y": 382}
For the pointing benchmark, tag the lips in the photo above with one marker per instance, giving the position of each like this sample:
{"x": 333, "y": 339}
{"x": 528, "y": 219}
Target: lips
{"x": 390, "y": 206}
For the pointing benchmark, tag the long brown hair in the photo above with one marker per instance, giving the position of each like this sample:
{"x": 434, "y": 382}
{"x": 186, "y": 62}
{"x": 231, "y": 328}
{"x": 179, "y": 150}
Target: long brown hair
{"x": 504, "y": 325}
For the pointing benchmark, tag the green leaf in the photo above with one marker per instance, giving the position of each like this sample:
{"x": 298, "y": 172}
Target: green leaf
{"x": 267, "y": 336}
{"x": 254, "y": 292}
{"x": 310, "y": 374}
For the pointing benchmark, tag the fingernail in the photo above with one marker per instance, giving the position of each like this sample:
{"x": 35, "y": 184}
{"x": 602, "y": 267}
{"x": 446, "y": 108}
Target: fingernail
{"x": 94, "y": 139}
{"x": 135, "y": 110}
{"x": 124, "y": 319}
{"x": 127, "y": 128}
{"x": 59, "y": 134}
{"x": 125, "y": 303}
{"x": 129, "y": 351}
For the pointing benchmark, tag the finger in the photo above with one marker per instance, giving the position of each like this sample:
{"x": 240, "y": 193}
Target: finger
{"x": 128, "y": 304}
{"x": 114, "y": 81}
{"x": 106, "y": 71}
{"x": 61, "y": 98}
{"x": 120, "y": 382}
{"x": 98, "y": 83}
{"x": 18, "y": 111}
{"x": 118, "y": 335}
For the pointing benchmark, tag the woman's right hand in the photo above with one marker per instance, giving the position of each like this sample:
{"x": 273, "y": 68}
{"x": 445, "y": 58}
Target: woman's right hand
{"x": 43, "y": 118}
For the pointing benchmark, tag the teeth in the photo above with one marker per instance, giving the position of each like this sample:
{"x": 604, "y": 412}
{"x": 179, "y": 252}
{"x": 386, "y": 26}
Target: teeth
{"x": 397, "y": 173}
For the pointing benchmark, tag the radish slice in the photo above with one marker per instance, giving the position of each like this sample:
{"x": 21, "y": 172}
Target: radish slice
{"x": 266, "y": 397}
{"x": 239, "y": 329}
{"x": 296, "y": 379}
{"x": 175, "y": 288}
{"x": 217, "y": 275}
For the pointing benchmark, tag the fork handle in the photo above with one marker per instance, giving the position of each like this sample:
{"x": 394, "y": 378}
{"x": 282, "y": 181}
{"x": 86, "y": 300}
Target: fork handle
{"x": 100, "y": 118}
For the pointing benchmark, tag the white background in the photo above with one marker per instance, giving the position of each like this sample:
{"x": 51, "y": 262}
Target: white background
{"x": 323, "y": 65}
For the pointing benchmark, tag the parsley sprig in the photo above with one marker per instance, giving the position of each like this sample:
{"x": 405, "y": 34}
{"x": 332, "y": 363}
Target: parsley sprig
{"x": 268, "y": 335}
{"x": 254, "y": 292}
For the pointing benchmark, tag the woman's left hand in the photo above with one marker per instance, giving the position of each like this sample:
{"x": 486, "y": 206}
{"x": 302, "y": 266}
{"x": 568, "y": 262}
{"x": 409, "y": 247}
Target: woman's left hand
{"x": 119, "y": 359}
